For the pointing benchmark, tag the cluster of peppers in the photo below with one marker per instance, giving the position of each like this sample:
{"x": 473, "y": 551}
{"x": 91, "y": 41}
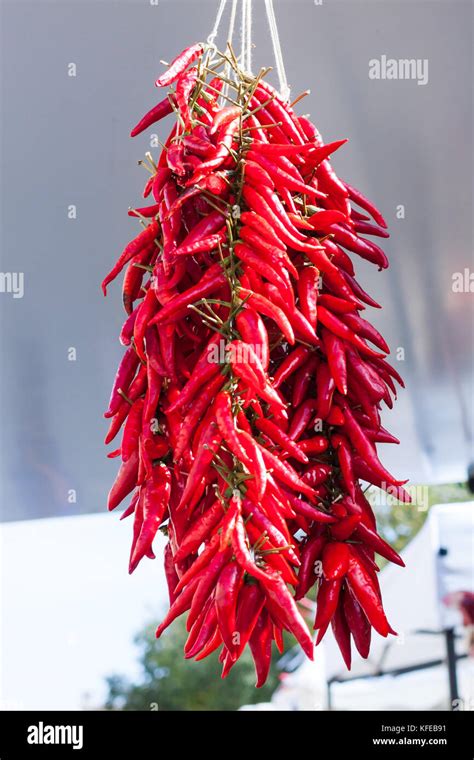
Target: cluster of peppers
{"x": 248, "y": 393}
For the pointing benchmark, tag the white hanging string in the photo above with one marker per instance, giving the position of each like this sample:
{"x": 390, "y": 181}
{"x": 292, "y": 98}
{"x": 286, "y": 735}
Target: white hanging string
{"x": 280, "y": 66}
{"x": 212, "y": 37}
{"x": 246, "y": 36}
{"x": 230, "y": 37}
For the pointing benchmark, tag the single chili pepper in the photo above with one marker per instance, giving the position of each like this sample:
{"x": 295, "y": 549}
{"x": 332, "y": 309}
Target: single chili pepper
{"x": 170, "y": 572}
{"x": 370, "y": 537}
{"x": 260, "y": 643}
{"x": 290, "y": 364}
{"x": 184, "y": 87}
{"x": 308, "y": 285}
{"x": 124, "y": 482}
{"x": 123, "y": 378}
{"x": 310, "y": 553}
{"x": 146, "y": 211}
{"x": 358, "y": 624}
{"x": 359, "y": 292}
{"x": 363, "y": 589}
{"x": 133, "y": 392}
{"x": 336, "y": 305}
{"x": 303, "y": 379}
{"x": 227, "y": 591}
{"x": 362, "y": 201}
{"x": 252, "y": 329}
{"x": 255, "y": 456}
{"x": 158, "y": 112}
{"x": 277, "y": 592}
{"x": 155, "y": 503}
{"x": 133, "y": 279}
{"x": 180, "y": 63}
{"x": 301, "y": 419}
{"x": 256, "y": 175}
{"x": 326, "y": 604}
{"x": 366, "y": 330}
{"x": 367, "y": 250}
{"x": 242, "y": 552}
{"x": 132, "y": 429}
{"x": 342, "y": 633}
{"x": 131, "y": 250}
{"x": 344, "y": 455}
{"x": 325, "y": 390}
{"x": 364, "y": 228}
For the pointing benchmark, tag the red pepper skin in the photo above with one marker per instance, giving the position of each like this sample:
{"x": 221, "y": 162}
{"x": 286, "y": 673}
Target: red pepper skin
{"x": 345, "y": 527}
{"x": 336, "y": 355}
{"x": 211, "y": 443}
{"x": 309, "y": 554}
{"x": 156, "y": 495}
{"x": 180, "y": 63}
{"x": 327, "y": 600}
{"x": 170, "y": 572}
{"x": 308, "y": 284}
{"x": 341, "y": 330}
{"x": 227, "y": 591}
{"x": 303, "y": 379}
{"x": 325, "y": 390}
{"x": 265, "y": 524}
{"x": 203, "y": 627}
{"x": 124, "y": 483}
{"x": 344, "y": 456}
{"x": 242, "y": 552}
{"x": 181, "y": 604}
{"x": 263, "y": 306}
{"x": 260, "y": 643}
{"x": 290, "y": 364}
{"x": 132, "y": 429}
{"x": 202, "y": 403}
{"x": 357, "y": 197}
{"x": 286, "y": 474}
{"x": 131, "y": 250}
{"x": 253, "y": 331}
{"x": 158, "y": 112}
{"x": 249, "y": 606}
{"x": 199, "y": 563}
{"x": 358, "y": 624}
{"x": 277, "y": 435}
{"x": 316, "y": 474}
{"x": 335, "y": 559}
{"x": 300, "y": 421}
{"x": 207, "y": 582}
{"x": 277, "y": 592}
{"x": 123, "y": 378}
{"x": 342, "y": 633}
{"x": 202, "y": 527}
{"x": 369, "y": 536}
{"x": 136, "y": 389}
{"x": 361, "y": 584}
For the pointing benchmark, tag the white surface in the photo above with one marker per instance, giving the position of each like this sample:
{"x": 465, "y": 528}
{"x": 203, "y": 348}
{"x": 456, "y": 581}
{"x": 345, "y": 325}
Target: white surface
{"x": 70, "y": 610}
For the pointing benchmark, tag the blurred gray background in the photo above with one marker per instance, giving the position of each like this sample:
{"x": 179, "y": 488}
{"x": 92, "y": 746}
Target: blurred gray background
{"x": 65, "y": 142}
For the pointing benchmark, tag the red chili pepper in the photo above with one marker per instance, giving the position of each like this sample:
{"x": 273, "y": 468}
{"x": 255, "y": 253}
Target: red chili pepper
{"x": 156, "y": 496}
{"x": 133, "y": 248}
{"x": 342, "y": 633}
{"x": 357, "y": 622}
{"x": 180, "y": 63}
{"x": 310, "y": 553}
{"x": 277, "y": 592}
{"x": 158, "y": 112}
{"x": 363, "y": 589}
{"x": 260, "y": 643}
{"x": 123, "y": 378}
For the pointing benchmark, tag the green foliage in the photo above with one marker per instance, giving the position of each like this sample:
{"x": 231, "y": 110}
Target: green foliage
{"x": 398, "y": 523}
{"x": 169, "y": 682}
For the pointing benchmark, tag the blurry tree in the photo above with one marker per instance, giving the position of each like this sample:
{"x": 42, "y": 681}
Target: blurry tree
{"x": 169, "y": 682}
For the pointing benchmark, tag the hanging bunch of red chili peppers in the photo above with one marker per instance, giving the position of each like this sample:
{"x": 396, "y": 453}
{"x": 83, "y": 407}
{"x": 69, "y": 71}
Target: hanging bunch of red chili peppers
{"x": 248, "y": 393}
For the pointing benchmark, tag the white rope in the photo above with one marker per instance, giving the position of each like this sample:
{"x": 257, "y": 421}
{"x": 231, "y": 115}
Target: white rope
{"x": 246, "y": 36}
{"x": 215, "y": 30}
{"x": 280, "y": 66}
{"x": 230, "y": 37}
